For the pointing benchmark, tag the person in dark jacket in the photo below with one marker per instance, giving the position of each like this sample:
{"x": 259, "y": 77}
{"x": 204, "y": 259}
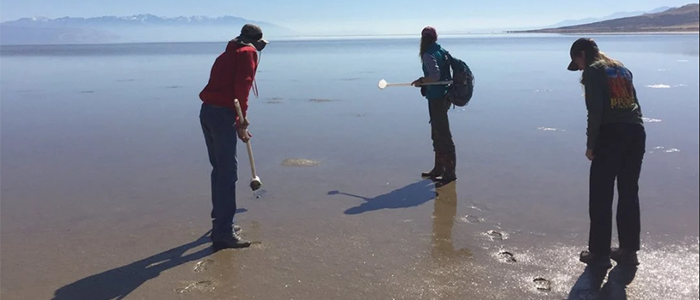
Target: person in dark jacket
{"x": 615, "y": 146}
{"x": 231, "y": 77}
{"x": 435, "y": 68}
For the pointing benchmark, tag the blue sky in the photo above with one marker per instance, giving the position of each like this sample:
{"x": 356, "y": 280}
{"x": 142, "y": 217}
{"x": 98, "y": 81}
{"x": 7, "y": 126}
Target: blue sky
{"x": 315, "y": 16}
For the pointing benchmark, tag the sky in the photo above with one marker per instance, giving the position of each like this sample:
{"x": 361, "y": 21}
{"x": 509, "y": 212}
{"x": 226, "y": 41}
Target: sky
{"x": 376, "y": 16}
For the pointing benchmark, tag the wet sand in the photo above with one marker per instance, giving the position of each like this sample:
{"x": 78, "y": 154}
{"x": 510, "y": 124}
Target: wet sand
{"x": 324, "y": 233}
{"x": 106, "y": 199}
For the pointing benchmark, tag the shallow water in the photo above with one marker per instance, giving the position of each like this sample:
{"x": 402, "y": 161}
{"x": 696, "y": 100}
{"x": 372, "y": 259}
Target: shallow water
{"x": 104, "y": 170}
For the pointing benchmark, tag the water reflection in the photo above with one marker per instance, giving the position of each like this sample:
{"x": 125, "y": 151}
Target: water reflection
{"x": 444, "y": 215}
{"x": 588, "y": 285}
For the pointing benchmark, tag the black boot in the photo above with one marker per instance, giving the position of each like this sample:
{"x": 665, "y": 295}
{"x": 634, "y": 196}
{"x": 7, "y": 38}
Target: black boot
{"x": 450, "y": 163}
{"x": 234, "y": 241}
{"x": 438, "y": 169}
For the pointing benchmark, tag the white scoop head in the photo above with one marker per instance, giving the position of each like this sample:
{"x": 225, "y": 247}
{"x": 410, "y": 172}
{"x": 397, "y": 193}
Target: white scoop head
{"x": 382, "y": 84}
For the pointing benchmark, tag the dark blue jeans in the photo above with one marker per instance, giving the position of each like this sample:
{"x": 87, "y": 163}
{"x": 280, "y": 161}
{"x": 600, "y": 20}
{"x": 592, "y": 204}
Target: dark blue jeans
{"x": 440, "y": 126}
{"x": 618, "y": 157}
{"x": 218, "y": 125}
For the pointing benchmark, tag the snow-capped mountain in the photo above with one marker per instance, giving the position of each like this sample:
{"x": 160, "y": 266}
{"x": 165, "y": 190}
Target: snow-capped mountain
{"x": 136, "y": 28}
{"x": 135, "y": 20}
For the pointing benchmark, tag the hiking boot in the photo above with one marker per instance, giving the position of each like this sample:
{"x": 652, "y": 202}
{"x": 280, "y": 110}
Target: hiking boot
{"x": 230, "y": 242}
{"x": 595, "y": 260}
{"x": 437, "y": 170}
{"x": 450, "y": 162}
{"x": 624, "y": 257}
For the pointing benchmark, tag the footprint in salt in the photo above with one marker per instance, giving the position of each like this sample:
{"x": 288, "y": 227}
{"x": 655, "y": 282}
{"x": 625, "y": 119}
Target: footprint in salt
{"x": 506, "y": 256}
{"x": 495, "y": 235}
{"x": 202, "y": 265}
{"x": 471, "y": 219}
{"x": 542, "y": 284}
{"x": 201, "y": 286}
{"x": 479, "y": 207}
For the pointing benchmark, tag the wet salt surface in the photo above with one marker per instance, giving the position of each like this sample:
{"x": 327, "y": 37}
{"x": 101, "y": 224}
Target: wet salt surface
{"x": 106, "y": 224}
{"x": 300, "y": 162}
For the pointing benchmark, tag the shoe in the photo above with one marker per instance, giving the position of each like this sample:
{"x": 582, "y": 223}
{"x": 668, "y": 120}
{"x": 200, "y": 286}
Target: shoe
{"x": 624, "y": 257}
{"x": 450, "y": 162}
{"x": 230, "y": 242}
{"x": 437, "y": 170}
{"x": 594, "y": 260}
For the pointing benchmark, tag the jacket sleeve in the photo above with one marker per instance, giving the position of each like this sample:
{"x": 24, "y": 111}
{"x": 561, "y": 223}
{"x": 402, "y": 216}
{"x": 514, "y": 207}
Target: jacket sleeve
{"x": 595, "y": 102}
{"x": 634, "y": 91}
{"x": 246, "y": 63}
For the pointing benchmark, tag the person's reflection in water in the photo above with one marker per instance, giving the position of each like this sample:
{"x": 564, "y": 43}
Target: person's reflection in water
{"x": 619, "y": 278}
{"x": 443, "y": 222}
{"x": 445, "y": 270}
{"x": 587, "y": 286}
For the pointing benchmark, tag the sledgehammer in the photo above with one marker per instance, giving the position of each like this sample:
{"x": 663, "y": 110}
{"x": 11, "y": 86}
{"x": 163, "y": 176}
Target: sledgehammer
{"x": 255, "y": 182}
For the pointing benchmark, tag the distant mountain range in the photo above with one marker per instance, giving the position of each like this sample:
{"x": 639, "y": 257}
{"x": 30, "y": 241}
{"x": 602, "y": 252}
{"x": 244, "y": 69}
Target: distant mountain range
{"x": 681, "y": 19}
{"x": 616, "y": 15}
{"x": 137, "y": 28}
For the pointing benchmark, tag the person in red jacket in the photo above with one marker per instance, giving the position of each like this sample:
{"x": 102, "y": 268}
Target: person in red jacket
{"x": 232, "y": 76}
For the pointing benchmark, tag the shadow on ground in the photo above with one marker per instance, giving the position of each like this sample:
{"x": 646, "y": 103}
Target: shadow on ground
{"x": 120, "y": 282}
{"x": 411, "y": 195}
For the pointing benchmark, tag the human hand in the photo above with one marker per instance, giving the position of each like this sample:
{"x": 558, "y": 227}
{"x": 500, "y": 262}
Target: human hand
{"x": 589, "y": 154}
{"x": 244, "y": 123}
{"x": 418, "y": 82}
{"x": 244, "y": 134}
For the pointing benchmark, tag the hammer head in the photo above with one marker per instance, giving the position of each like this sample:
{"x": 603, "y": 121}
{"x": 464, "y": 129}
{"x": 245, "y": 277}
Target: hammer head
{"x": 255, "y": 183}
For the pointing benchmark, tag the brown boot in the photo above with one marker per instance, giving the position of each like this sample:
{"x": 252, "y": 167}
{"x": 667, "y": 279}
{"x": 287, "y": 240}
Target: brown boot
{"x": 450, "y": 162}
{"x": 438, "y": 169}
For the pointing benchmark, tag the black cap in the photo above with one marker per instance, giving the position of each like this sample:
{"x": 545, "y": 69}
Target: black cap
{"x": 583, "y": 44}
{"x": 252, "y": 34}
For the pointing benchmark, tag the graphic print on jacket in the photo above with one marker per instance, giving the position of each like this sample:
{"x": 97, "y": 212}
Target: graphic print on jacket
{"x": 621, "y": 88}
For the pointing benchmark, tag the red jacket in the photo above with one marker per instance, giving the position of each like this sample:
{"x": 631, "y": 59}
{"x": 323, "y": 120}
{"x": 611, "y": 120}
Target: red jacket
{"x": 231, "y": 77}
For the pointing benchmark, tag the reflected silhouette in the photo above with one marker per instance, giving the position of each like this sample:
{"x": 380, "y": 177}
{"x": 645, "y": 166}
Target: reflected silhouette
{"x": 588, "y": 285}
{"x": 618, "y": 280}
{"x": 444, "y": 216}
{"x": 411, "y": 195}
{"x": 120, "y": 282}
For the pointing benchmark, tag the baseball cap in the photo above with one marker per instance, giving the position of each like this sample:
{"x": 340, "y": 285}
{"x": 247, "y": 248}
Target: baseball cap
{"x": 582, "y": 44}
{"x": 429, "y": 31}
{"x": 252, "y": 34}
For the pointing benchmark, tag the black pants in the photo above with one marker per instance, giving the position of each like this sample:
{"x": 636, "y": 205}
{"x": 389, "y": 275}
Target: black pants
{"x": 440, "y": 126}
{"x": 618, "y": 155}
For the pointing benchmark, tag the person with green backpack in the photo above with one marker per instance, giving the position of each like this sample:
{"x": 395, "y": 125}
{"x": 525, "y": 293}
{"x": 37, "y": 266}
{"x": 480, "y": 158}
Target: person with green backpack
{"x": 436, "y": 68}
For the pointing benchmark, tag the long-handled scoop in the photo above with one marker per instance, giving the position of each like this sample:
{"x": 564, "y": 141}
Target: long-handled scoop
{"x": 255, "y": 182}
{"x": 383, "y": 84}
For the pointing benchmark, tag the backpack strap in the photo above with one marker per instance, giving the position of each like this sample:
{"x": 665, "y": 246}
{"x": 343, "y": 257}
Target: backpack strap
{"x": 448, "y": 63}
